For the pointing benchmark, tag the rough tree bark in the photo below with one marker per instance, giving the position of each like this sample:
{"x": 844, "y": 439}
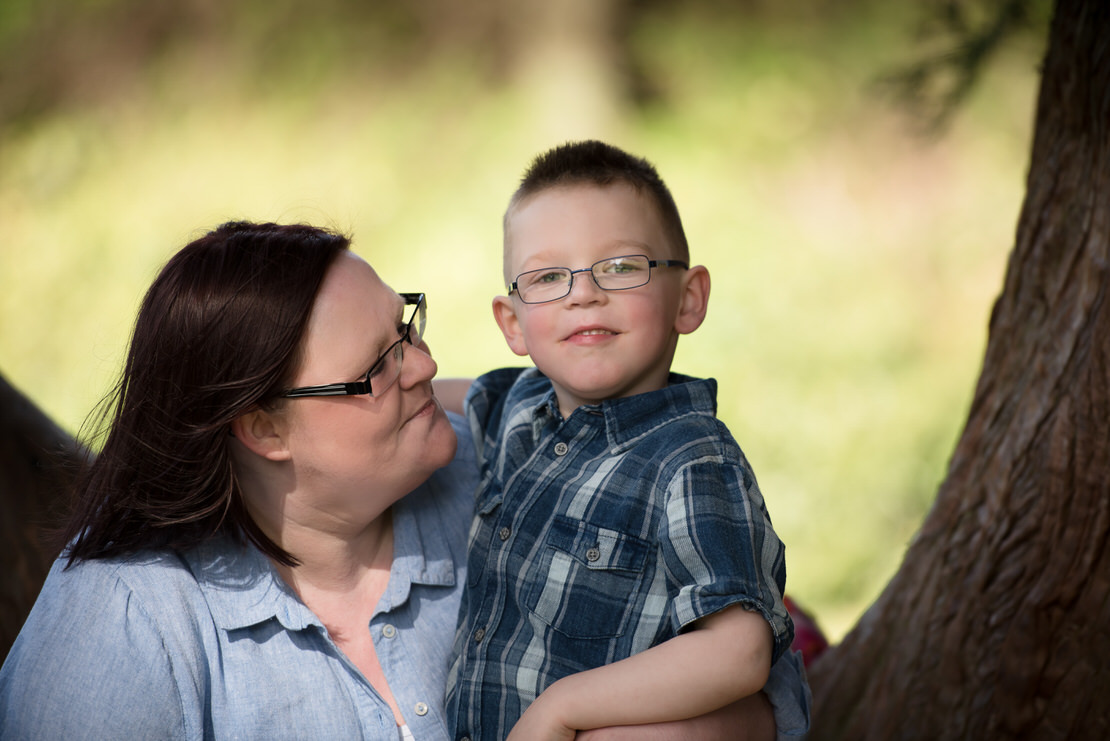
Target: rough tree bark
{"x": 995, "y": 627}
{"x": 36, "y": 465}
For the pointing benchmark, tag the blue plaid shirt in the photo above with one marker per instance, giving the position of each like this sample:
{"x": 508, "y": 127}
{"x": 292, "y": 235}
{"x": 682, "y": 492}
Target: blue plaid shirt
{"x": 599, "y": 536}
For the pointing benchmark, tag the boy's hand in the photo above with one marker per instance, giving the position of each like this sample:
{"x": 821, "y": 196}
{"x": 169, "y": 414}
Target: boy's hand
{"x": 541, "y": 723}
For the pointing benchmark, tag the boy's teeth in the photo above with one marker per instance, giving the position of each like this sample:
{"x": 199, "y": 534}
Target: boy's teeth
{"x": 595, "y": 331}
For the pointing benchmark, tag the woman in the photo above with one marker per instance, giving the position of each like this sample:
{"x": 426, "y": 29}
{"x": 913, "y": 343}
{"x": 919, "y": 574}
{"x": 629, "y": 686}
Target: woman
{"x": 235, "y": 536}
{"x": 246, "y": 519}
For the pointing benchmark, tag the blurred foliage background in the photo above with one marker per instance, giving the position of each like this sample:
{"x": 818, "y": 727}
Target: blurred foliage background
{"x": 855, "y": 253}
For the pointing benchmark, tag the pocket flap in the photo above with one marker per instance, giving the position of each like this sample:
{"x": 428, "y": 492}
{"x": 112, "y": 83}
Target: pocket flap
{"x": 598, "y": 547}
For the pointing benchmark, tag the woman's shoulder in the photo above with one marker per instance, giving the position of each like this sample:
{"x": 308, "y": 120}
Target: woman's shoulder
{"x": 162, "y": 590}
{"x": 98, "y": 623}
{"x": 136, "y": 572}
{"x": 90, "y": 593}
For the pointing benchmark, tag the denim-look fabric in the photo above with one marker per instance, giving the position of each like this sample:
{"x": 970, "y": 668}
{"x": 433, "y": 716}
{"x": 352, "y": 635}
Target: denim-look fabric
{"x": 599, "y": 536}
{"x": 211, "y": 643}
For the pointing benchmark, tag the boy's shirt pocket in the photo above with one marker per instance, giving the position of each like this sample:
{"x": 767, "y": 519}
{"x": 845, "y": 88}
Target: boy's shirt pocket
{"x": 582, "y": 582}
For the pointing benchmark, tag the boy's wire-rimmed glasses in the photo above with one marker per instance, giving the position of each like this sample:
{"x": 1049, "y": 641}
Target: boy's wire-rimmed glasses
{"x": 386, "y": 369}
{"x": 610, "y": 274}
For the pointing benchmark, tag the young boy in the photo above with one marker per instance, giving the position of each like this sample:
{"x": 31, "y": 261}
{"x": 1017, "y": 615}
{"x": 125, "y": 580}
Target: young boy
{"x": 622, "y": 565}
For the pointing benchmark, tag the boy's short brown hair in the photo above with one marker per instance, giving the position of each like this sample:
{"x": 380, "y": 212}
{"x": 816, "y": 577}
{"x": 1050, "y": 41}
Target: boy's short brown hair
{"x": 592, "y": 162}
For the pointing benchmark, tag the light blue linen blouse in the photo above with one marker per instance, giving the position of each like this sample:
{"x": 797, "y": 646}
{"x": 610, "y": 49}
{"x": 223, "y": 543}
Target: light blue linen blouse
{"x": 211, "y": 643}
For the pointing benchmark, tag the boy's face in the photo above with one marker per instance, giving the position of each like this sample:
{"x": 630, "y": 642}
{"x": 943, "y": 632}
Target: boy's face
{"x": 593, "y": 344}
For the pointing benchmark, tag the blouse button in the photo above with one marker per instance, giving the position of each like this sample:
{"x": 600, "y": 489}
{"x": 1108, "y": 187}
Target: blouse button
{"x": 421, "y": 708}
{"x": 561, "y": 448}
{"x": 389, "y": 631}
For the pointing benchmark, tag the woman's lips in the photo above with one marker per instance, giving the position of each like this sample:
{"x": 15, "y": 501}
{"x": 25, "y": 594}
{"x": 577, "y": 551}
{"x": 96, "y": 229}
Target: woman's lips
{"x": 427, "y": 409}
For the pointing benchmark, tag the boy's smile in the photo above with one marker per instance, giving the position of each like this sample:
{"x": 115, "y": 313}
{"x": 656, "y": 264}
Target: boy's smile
{"x": 590, "y": 335}
{"x": 593, "y": 344}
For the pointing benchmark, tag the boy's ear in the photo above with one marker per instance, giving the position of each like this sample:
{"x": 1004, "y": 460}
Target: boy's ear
{"x": 694, "y": 301}
{"x": 504, "y": 311}
{"x": 262, "y": 433}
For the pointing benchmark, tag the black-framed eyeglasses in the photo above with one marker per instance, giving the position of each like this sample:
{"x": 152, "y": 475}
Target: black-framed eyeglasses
{"x": 610, "y": 274}
{"x": 387, "y": 368}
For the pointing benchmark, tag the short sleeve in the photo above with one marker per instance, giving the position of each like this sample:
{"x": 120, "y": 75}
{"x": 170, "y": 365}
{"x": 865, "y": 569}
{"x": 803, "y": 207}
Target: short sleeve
{"x": 720, "y": 548}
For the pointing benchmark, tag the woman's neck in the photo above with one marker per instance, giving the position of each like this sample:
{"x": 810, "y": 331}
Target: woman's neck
{"x": 342, "y": 581}
{"x": 337, "y": 563}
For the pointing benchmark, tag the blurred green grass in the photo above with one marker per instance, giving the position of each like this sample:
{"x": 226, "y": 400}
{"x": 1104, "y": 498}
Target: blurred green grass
{"x": 853, "y": 263}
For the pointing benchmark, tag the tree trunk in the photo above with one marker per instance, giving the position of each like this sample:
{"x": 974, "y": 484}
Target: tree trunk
{"x": 997, "y": 625}
{"x": 36, "y": 465}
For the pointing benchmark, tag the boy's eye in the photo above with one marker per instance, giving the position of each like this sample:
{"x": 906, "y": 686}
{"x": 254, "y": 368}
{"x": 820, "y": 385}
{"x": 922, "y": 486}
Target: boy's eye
{"x": 549, "y": 276}
{"x": 620, "y": 267}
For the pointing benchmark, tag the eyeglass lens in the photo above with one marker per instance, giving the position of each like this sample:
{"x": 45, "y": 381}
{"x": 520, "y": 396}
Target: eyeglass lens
{"x": 388, "y": 368}
{"x": 613, "y": 274}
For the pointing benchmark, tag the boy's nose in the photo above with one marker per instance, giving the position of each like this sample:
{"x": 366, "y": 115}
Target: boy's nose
{"x": 583, "y": 288}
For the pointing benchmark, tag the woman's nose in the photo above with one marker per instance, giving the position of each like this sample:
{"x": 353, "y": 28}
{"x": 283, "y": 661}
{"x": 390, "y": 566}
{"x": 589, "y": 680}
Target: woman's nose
{"x": 417, "y": 365}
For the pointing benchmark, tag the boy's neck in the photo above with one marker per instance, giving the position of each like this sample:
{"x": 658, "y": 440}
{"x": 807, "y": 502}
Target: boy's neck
{"x": 567, "y": 403}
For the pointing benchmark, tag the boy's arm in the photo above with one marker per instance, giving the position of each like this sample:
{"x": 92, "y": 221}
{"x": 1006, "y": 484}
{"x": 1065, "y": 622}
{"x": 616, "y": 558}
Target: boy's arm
{"x": 451, "y": 392}
{"x": 751, "y": 718}
{"x": 725, "y": 657}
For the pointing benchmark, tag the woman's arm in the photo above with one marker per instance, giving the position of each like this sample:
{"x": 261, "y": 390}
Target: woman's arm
{"x": 727, "y": 656}
{"x": 451, "y": 392}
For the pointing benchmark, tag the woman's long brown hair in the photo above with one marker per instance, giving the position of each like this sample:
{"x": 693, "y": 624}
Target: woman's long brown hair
{"x": 218, "y": 333}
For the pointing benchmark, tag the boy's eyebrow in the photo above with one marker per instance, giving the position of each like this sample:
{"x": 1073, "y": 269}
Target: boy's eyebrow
{"x": 633, "y": 243}
{"x": 621, "y": 247}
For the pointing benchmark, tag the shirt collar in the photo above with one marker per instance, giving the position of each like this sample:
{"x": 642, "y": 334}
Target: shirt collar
{"x": 419, "y": 556}
{"x": 628, "y": 418}
{"x": 243, "y": 588}
{"x": 545, "y": 412}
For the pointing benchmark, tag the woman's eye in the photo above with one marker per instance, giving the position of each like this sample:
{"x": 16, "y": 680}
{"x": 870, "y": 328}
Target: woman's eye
{"x": 376, "y": 370}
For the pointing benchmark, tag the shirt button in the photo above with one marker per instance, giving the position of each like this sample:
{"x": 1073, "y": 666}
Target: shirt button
{"x": 561, "y": 448}
{"x": 389, "y": 631}
{"x": 479, "y": 635}
{"x": 421, "y": 708}
{"x": 465, "y": 738}
{"x": 593, "y": 554}
{"x": 504, "y": 533}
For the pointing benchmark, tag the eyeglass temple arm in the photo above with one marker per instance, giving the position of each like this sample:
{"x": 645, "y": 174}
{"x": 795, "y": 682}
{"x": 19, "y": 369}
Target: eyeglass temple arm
{"x": 329, "y": 389}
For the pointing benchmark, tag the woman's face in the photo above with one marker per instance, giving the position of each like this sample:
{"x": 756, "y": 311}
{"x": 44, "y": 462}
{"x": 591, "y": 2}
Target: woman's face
{"x": 355, "y": 455}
